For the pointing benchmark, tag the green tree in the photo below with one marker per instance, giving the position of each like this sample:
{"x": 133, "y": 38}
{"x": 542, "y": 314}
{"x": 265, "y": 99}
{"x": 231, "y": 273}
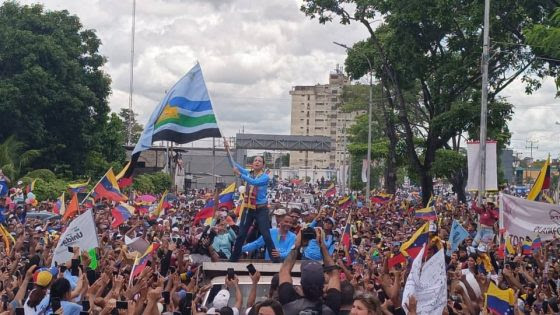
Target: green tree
{"x": 356, "y": 97}
{"x": 14, "y": 159}
{"x": 129, "y": 120}
{"x": 153, "y": 183}
{"x": 544, "y": 39}
{"x": 53, "y": 91}
{"x": 427, "y": 55}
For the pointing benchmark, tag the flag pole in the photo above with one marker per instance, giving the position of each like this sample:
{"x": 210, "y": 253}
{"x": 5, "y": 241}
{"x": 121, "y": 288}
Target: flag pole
{"x": 132, "y": 270}
{"x": 89, "y": 193}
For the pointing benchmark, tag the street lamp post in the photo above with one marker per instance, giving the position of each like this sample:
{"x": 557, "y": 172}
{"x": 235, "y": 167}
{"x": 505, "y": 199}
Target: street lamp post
{"x": 370, "y": 104}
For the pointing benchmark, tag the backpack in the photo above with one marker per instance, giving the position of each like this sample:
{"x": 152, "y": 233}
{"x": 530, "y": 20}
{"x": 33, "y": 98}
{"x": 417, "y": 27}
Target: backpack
{"x": 304, "y": 306}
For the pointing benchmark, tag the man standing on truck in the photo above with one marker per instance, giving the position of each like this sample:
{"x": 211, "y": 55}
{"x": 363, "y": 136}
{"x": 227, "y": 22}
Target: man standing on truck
{"x": 282, "y": 237}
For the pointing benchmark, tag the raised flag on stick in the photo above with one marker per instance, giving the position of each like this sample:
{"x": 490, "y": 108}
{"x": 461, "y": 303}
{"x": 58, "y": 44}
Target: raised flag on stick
{"x": 184, "y": 115}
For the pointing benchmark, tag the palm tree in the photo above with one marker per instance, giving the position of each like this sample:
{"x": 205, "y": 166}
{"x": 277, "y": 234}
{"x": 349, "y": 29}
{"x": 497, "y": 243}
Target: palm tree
{"x": 13, "y": 158}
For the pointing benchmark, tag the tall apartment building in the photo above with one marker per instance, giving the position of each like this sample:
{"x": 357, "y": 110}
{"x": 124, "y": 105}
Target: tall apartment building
{"x": 315, "y": 113}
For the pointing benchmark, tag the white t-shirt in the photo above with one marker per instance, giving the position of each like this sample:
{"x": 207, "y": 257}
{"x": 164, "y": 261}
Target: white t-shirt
{"x": 40, "y": 308}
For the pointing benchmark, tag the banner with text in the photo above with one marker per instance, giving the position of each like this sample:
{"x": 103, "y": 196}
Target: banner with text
{"x": 521, "y": 218}
{"x": 473, "y": 161}
{"x": 81, "y": 232}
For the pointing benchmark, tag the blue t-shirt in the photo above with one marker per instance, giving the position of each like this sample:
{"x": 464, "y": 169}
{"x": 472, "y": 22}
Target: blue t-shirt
{"x": 68, "y": 308}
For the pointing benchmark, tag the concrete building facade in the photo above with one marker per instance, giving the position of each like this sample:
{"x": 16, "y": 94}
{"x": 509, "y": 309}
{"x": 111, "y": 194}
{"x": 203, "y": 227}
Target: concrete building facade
{"x": 315, "y": 112}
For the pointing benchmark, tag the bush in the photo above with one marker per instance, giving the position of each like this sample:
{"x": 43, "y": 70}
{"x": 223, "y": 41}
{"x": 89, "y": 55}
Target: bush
{"x": 49, "y": 190}
{"x": 154, "y": 183}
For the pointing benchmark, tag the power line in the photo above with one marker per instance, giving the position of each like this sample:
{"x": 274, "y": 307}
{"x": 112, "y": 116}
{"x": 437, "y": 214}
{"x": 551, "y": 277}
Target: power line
{"x": 531, "y": 146}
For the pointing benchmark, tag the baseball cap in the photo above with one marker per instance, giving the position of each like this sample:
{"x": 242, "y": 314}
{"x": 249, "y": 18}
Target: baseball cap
{"x": 331, "y": 220}
{"x": 42, "y": 278}
{"x": 482, "y": 248}
{"x": 279, "y": 212}
{"x": 312, "y": 274}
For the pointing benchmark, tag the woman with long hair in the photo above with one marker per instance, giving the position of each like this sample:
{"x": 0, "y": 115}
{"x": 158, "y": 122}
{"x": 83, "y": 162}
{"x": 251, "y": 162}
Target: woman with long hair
{"x": 61, "y": 292}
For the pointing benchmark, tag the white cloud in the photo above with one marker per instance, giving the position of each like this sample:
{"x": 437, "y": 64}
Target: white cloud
{"x": 252, "y": 53}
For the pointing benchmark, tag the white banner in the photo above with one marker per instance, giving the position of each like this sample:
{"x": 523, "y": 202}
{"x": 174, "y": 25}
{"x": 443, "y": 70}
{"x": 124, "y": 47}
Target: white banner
{"x": 428, "y": 284}
{"x": 81, "y": 232}
{"x": 364, "y": 171}
{"x": 473, "y": 158}
{"x": 521, "y": 218}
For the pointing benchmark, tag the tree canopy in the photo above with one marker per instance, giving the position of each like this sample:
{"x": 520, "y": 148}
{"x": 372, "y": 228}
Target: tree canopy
{"x": 427, "y": 56}
{"x": 53, "y": 91}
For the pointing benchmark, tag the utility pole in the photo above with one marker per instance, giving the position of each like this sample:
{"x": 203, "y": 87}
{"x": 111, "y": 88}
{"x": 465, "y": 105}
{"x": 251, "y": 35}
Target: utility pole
{"x": 531, "y": 147}
{"x": 131, "y": 83}
{"x": 370, "y": 104}
{"x": 484, "y": 102}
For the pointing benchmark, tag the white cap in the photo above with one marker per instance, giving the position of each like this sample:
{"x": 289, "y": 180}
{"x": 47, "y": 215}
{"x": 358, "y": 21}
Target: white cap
{"x": 482, "y": 247}
{"x": 279, "y": 212}
{"x": 175, "y": 229}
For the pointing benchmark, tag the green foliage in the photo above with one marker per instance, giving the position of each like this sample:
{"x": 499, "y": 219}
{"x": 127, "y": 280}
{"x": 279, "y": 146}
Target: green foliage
{"x": 129, "y": 119}
{"x": 544, "y": 39}
{"x": 428, "y": 55}
{"x": 448, "y": 162}
{"x": 53, "y": 91}
{"x": 44, "y": 174}
{"x": 49, "y": 189}
{"x": 14, "y": 160}
{"x": 154, "y": 183}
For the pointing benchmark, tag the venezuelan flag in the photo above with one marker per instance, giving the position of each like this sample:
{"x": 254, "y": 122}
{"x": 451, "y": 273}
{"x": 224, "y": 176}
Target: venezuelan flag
{"x": 536, "y": 243}
{"x": 499, "y": 302}
{"x": 484, "y": 263}
{"x": 381, "y": 198}
{"x": 121, "y": 213}
{"x": 59, "y": 207}
{"x": 510, "y": 250}
{"x": 412, "y": 247}
{"x": 347, "y": 235}
{"x": 331, "y": 191}
{"x": 78, "y": 187}
{"x": 345, "y": 202}
{"x": 89, "y": 203}
{"x": 428, "y": 213}
{"x": 526, "y": 248}
{"x": 542, "y": 182}
{"x": 225, "y": 201}
{"x": 159, "y": 209}
{"x": 141, "y": 262}
{"x": 109, "y": 188}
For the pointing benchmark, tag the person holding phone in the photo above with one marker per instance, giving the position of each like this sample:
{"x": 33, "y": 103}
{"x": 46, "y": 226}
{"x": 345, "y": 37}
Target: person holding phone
{"x": 61, "y": 294}
{"x": 38, "y": 299}
{"x": 255, "y": 205}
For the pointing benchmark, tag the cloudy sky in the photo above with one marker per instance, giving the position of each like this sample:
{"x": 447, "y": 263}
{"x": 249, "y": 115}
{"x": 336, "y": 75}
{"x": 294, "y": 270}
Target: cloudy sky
{"x": 252, "y": 52}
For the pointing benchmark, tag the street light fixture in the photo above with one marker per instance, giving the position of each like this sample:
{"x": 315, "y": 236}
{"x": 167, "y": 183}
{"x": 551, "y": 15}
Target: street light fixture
{"x": 368, "y": 184}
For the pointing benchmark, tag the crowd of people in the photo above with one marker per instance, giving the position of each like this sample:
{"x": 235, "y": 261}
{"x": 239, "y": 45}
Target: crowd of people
{"x": 344, "y": 250}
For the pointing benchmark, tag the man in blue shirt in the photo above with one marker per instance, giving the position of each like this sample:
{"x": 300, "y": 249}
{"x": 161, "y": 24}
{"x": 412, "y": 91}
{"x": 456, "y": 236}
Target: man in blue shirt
{"x": 282, "y": 237}
{"x": 313, "y": 250}
{"x": 255, "y": 206}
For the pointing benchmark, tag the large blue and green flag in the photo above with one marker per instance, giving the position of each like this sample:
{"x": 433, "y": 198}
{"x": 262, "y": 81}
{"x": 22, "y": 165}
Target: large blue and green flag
{"x": 184, "y": 115}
